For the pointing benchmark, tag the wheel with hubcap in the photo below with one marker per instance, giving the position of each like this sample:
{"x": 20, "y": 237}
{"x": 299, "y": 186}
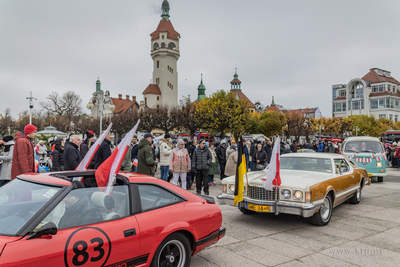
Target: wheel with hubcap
{"x": 174, "y": 251}
{"x": 380, "y": 179}
{"x": 356, "y": 198}
{"x": 323, "y": 216}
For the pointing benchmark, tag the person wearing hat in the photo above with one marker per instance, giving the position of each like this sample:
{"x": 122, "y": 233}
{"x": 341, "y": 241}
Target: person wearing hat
{"x": 87, "y": 143}
{"x": 201, "y": 163}
{"x": 146, "y": 162}
{"x": 231, "y": 161}
{"x": 221, "y": 155}
{"x": 6, "y": 157}
{"x": 179, "y": 163}
{"x": 165, "y": 152}
{"x": 23, "y": 157}
{"x": 58, "y": 155}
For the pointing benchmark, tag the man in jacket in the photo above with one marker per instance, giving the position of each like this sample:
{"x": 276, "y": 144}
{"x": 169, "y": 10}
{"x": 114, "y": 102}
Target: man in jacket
{"x": 6, "y": 157}
{"x": 201, "y": 163}
{"x": 134, "y": 152}
{"x": 104, "y": 151}
{"x": 165, "y": 152}
{"x": 293, "y": 146}
{"x": 72, "y": 157}
{"x": 268, "y": 150}
{"x": 221, "y": 155}
{"x": 146, "y": 162}
{"x": 23, "y": 159}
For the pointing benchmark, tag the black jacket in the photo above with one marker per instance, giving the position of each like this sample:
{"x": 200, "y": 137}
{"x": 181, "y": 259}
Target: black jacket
{"x": 72, "y": 157}
{"x": 293, "y": 148}
{"x": 58, "y": 156}
{"x": 134, "y": 152}
{"x": 261, "y": 156}
{"x": 221, "y": 154}
{"x": 103, "y": 153}
{"x": 201, "y": 159}
{"x": 82, "y": 212}
{"x": 268, "y": 150}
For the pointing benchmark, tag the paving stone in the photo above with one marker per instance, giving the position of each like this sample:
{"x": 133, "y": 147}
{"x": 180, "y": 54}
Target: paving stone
{"x": 198, "y": 261}
{"x": 368, "y": 223}
{"x": 225, "y": 258}
{"x": 303, "y": 242}
{"x": 286, "y": 249}
{"x": 351, "y": 232}
{"x": 392, "y": 215}
{"x": 322, "y": 260}
{"x": 310, "y": 233}
{"x": 388, "y": 240}
{"x": 364, "y": 255}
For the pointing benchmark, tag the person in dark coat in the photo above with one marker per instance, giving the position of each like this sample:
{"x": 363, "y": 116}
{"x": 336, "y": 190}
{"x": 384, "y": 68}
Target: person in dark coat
{"x": 146, "y": 162}
{"x": 58, "y": 155}
{"x": 87, "y": 143}
{"x": 23, "y": 160}
{"x": 72, "y": 157}
{"x": 293, "y": 146}
{"x": 201, "y": 163}
{"x": 79, "y": 210}
{"x": 260, "y": 157}
{"x": 268, "y": 150}
{"x": 104, "y": 151}
{"x": 134, "y": 152}
{"x": 221, "y": 155}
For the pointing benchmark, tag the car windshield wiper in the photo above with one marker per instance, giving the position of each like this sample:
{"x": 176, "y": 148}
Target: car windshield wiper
{"x": 351, "y": 151}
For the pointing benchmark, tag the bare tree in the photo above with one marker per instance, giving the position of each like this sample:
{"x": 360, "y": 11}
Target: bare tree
{"x": 68, "y": 105}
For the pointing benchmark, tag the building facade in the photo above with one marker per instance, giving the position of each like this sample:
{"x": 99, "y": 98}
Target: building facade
{"x": 165, "y": 54}
{"x": 376, "y": 94}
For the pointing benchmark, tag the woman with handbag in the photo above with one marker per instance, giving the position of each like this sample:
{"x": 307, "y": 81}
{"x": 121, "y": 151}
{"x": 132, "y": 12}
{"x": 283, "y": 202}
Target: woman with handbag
{"x": 260, "y": 158}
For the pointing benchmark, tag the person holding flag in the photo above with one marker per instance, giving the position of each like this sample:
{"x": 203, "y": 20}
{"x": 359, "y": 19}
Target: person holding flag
{"x": 241, "y": 173}
{"x": 273, "y": 179}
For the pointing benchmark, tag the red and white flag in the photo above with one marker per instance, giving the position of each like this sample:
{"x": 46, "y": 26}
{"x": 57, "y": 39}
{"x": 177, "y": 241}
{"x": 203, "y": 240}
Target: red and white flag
{"x": 273, "y": 175}
{"x": 107, "y": 171}
{"x": 92, "y": 151}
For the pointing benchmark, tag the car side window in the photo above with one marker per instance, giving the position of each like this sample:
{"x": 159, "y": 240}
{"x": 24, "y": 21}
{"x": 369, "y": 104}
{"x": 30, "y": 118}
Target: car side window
{"x": 341, "y": 163}
{"x": 85, "y": 206}
{"x": 153, "y": 197}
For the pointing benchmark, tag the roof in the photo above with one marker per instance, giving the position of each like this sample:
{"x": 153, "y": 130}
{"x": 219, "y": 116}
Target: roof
{"x": 152, "y": 89}
{"x": 374, "y": 77}
{"x": 312, "y": 155}
{"x": 236, "y": 81}
{"x": 121, "y": 105}
{"x": 301, "y": 111}
{"x": 361, "y": 138}
{"x": 165, "y": 26}
{"x": 244, "y": 97}
{"x": 384, "y": 93}
{"x": 340, "y": 98}
{"x": 274, "y": 108}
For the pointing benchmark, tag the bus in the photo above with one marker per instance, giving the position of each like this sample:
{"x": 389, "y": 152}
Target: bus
{"x": 390, "y": 136}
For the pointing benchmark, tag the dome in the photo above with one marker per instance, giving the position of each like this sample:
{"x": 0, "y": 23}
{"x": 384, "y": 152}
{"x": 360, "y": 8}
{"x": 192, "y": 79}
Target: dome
{"x": 165, "y": 4}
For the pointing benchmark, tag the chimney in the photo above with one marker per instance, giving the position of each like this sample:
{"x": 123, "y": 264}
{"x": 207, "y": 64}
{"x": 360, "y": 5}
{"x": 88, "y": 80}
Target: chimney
{"x": 127, "y": 97}
{"x": 134, "y": 98}
{"x": 119, "y": 96}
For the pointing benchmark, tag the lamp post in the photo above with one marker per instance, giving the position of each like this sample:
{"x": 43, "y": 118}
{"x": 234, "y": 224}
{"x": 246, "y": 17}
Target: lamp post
{"x": 102, "y": 103}
{"x": 30, "y": 107}
{"x": 321, "y": 127}
{"x": 357, "y": 129}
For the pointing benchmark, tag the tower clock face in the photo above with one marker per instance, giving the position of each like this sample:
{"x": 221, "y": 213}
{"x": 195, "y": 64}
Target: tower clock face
{"x": 156, "y": 46}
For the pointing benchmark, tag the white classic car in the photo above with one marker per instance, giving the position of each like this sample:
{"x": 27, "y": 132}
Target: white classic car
{"x": 312, "y": 184}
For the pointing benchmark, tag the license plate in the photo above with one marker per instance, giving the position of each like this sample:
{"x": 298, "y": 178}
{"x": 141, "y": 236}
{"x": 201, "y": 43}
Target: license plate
{"x": 370, "y": 174}
{"x": 259, "y": 208}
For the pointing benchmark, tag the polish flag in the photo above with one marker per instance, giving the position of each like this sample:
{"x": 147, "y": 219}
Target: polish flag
{"x": 273, "y": 175}
{"x": 106, "y": 173}
{"x": 92, "y": 151}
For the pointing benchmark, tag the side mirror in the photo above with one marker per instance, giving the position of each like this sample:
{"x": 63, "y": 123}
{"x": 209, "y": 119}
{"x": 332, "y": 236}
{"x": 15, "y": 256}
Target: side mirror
{"x": 47, "y": 229}
{"x": 342, "y": 169}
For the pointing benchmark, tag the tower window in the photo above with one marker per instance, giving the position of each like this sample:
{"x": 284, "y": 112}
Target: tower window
{"x": 145, "y": 100}
{"x": 157, "y": 80}
{"x": 158, "y": 106}
{"x": 162, "y": 45}
{"x": 158, "y": 98}
{"x": 162, "y": 36}
{"x": 171, "y": 46}
{"x": 158, "y": 64}
{"x": 156, "y": 46}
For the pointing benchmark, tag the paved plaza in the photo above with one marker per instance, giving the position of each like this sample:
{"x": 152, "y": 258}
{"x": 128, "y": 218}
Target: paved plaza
{"x": 367, "y": 234}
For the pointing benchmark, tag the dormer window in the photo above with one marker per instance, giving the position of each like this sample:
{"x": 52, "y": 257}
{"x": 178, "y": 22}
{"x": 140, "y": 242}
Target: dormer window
{"x": 156, "y": 46}
{"x": 162, "y": 36}
{"x": 171, "y": 45}
{"x": 162, "y": 45}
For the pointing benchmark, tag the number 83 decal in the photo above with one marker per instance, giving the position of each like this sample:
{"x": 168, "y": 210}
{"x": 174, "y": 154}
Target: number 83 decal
{"x": 88, "y": 246}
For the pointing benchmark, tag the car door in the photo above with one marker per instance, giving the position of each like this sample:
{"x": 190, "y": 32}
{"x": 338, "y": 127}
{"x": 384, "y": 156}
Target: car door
{"x": 347, "y": 179}
{"x": 115, "y": 238}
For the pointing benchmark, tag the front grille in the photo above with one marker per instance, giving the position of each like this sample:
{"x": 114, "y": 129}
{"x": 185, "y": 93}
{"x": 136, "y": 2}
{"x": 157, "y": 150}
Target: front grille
{"x": 261, "y": 193}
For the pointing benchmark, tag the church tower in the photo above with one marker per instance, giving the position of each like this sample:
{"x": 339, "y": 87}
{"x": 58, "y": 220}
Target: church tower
{"x": 201, "y": 90}
{"x": 165, "y": 55}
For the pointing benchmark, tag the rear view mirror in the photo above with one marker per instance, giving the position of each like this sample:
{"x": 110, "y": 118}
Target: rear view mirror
{"x": 342, "y": 169}
{"x": 47, "y": 229}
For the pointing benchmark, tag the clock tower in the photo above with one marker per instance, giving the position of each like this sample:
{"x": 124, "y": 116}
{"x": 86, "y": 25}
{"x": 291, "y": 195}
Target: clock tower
{"x": 165, "y": 55}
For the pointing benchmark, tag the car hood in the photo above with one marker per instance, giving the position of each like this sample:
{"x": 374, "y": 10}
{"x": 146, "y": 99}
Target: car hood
{"x": 289, "y": 178}
{"x": 7, "y": 239}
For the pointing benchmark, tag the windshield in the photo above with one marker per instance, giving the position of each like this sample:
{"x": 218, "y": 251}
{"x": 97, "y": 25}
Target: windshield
{"x": 363, "y": 146}
{"x": 20, "y": 201}
{"x": 306, "y": 164}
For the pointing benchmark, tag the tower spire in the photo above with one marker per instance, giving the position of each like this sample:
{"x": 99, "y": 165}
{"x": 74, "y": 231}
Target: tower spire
{"x": 201, "y": 90}
{"x": 165, "y": 10}
{"x": 98, "y": 84}
{"x": 273, "y": 102}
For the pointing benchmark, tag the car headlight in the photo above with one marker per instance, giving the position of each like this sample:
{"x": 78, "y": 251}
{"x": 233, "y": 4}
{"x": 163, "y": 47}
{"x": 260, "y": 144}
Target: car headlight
{"x": 379, "y": 164}
{"x": 285, "y": 193}
{"x": 297, "y": 194}
{"x": 232, "y": 188}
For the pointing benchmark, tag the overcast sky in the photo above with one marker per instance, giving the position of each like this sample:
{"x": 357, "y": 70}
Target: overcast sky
{"x": 293, "y": 50}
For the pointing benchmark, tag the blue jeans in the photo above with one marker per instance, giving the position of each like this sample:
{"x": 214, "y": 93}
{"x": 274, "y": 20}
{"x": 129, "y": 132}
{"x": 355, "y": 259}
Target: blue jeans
{"x": 252, "y": 165}
{"x": 164, "y": 173}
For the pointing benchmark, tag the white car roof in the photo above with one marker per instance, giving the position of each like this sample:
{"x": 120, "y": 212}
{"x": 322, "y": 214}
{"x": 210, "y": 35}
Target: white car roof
{"x": 361, "y": 138}
{"x": 312, "y": 155}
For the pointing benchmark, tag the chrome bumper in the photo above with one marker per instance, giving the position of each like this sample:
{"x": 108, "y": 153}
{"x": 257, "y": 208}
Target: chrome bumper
{"x": 277, "y": 207}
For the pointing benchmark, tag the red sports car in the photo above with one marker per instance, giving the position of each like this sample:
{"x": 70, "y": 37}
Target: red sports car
{"x": 48, "y": 219}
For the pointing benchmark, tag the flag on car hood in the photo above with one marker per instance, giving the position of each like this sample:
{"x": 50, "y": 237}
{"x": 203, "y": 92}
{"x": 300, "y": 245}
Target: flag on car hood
{"x": 241, "y": 170}
{"x": 273, "y": 175}
{"x": 107, "y": 171}
{"x": 92, "y": 151}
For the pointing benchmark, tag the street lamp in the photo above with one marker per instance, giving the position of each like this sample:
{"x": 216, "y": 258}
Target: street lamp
{"x": 357, "y": 129}
{"x": 321, "y": 127}
{"x": 30, "y": 107}
{"x": 100, "y": 103}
